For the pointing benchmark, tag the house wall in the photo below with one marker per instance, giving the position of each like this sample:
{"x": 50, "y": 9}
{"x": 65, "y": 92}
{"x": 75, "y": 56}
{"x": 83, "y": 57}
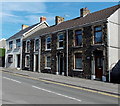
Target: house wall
{"x": 113, "y": 39}
{"x": 40, "y": 26}
{"x": 53, "y": 53}
{"x": 13, "y": 52}
{"x": 86, "y": 51}
{"x": 3, "y": 43}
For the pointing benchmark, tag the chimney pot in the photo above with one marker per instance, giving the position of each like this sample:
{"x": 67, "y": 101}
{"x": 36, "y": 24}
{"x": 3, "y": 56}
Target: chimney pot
{"x": 42, "y": 19}
{"x": 24, "y": 26}
{"x": 84, "y": 12}
{"x": 58, "y": 19}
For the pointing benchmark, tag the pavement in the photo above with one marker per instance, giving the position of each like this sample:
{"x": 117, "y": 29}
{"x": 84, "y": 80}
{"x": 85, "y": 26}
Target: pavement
{"x": 80, "y": 82}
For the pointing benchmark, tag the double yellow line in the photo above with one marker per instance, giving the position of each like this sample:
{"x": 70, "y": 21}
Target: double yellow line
{"x": 70, "y": 86}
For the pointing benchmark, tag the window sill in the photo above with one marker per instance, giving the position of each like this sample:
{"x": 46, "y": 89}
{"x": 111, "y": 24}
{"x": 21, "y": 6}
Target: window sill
{"x": 27, "y": 52}
{"x": 17, "y": 48}
{"x": 78, "y": 46}
{"x": 36, "y": 50}
{"x": 10, "y": 62}
{"x": 77, "y": 69}
{"x": 10, "y": 49}
{"x": 97, "y": 44}
{"x": 60, "y": 48}
{"x": 48, "y": 50}
{"x": 47, "y": 67}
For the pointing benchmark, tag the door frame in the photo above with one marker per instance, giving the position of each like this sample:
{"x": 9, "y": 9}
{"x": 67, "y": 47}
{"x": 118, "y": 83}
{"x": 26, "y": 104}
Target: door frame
{"x": 100, "y": 67}
{"x": 18, "y": 60}
{"x": 58, "y": 64}
{"x": 35, "y": 57}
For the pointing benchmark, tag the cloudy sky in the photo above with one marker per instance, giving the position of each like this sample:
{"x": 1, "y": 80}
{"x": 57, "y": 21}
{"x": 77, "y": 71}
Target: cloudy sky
{"x": 14, "y": 14}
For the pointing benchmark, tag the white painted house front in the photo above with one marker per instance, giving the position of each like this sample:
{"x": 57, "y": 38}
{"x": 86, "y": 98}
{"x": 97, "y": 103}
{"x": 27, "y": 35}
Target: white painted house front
{"x": 13, "y": 58}
{"x": 113, "y": 39}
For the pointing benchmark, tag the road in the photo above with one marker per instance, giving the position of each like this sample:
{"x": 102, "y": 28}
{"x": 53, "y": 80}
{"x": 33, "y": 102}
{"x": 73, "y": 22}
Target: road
{"x": 23, "y": 90}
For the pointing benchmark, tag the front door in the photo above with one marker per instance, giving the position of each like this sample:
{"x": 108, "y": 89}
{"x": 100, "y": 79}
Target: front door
{"x": 18, "y": 61}
{"x": 98, "y": 67}
{"x": 60, "y": 64}
{"x": 36, "y": 67}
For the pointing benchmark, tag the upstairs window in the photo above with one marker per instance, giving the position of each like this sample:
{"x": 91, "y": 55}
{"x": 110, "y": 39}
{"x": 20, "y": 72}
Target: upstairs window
{"x": 18, "y": 43}
{"x": 28, "y": 46}
{"x": 10, "y": 45}
{"x": 48, "y": 62}
{"x": 78, "y": 38}
{"x": 98, "y": 34}
{"x": 48, "y": 43}
{"x": 60, "y": 40}
{"x": 10, "y": 58}
{"x": 78, "y": 61}
{"x": 36, "y": 44}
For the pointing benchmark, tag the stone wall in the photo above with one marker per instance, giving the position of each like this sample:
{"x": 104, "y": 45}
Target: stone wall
{"x": 86, "y": 51}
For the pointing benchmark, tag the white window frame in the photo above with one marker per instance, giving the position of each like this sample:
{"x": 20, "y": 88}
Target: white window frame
{"x": 58, "y": 41}
{"x": 35, "y": 44}
{"x": 97, "y": 43}
{"x": 46, "y": 67}
{"x": 75, "y": 64}
{"x": 27, "y": 47}
{"x": 9, "y": 45}
{"x": 16, "y": 43}
{"x": 10, "y": 56}
{"x": 26, "y": 61}
{"x": 46, "y": 43}
{"x": 75, "y": 38}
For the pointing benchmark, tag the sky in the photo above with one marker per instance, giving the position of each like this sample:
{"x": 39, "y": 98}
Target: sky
{"x": 14, "y": 14}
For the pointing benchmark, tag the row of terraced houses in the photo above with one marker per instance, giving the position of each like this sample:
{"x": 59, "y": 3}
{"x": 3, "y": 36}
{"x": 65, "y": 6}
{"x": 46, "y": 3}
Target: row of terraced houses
{"x": 87, "y": 46}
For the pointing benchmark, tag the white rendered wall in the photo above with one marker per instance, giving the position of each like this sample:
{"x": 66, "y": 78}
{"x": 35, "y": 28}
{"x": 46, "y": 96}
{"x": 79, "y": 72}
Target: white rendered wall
{"x": 12, "y": 52}
{"x": 113, "y": 39}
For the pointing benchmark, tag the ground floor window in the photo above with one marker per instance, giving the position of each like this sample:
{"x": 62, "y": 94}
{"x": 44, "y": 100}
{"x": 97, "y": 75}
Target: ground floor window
{"x": 78, "y": 61}
{"x": 27, "y": 61}
{"x": 48, "y": 62}
{"x": 10, "y": 58}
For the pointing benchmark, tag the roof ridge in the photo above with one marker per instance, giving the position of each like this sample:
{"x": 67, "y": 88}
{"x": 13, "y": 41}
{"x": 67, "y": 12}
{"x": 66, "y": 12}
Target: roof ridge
{"x": 91, "y": 13}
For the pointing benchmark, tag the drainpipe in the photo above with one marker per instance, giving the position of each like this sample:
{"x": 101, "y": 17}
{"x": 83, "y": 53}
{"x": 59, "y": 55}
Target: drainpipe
{"x": 67, "y": 52}
{"x": 21, "y": 53}
{"x": 39, "y": 54}
{"x": 109, "y": 75}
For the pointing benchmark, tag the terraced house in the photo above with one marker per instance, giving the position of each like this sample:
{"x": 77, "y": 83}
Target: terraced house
{"x": 87, "y": 46}
{"x": 13, "y": 58}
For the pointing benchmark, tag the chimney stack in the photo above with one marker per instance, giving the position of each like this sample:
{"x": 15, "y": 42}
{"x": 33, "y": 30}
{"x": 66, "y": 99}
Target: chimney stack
{"x": 58, "y": 19}
{"x": 42, "y": 19}
{"x": 84, "y": 12}
{"x": 24, "y": 26}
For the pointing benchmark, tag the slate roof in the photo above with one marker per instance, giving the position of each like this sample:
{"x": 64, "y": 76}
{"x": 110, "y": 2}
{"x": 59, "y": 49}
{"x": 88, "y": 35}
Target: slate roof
{"x": 92, "y": 17}
{"x": 20, "y": 33}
